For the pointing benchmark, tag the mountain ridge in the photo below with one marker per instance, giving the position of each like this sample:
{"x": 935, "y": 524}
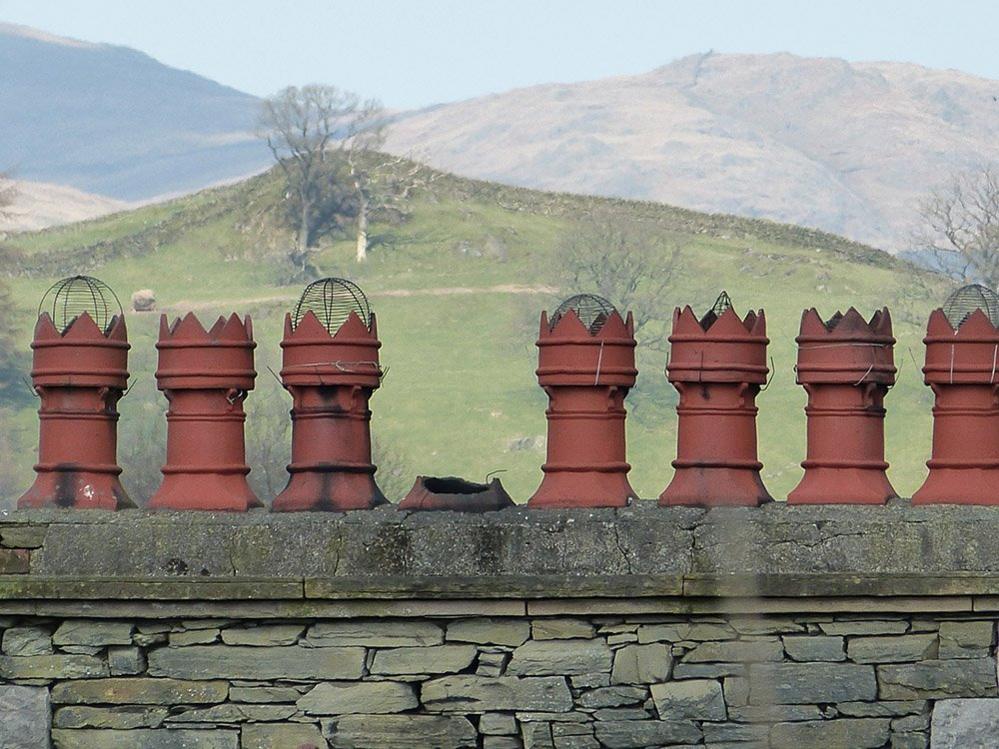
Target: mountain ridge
{"x": 127, "y": 126}
{"x": 841, "y": 146}
{"x": 844, "y": 147}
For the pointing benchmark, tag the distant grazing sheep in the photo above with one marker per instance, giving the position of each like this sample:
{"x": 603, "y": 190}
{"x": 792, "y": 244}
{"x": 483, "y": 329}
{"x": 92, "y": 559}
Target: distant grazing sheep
{"x": 144, "y": 300}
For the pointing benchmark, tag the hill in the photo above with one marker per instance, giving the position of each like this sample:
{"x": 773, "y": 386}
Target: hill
{"x": 458, "y": 289}
{"x": 841, "y": 146}
{"x": 846, "y": 147}
{"x": 41, "y": 204}
{"x": 113, "y": 121}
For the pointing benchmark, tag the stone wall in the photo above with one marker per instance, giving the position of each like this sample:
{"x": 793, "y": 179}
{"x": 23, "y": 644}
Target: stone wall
{"x": 568, "y": 682}
{"x": 750, "y": 629}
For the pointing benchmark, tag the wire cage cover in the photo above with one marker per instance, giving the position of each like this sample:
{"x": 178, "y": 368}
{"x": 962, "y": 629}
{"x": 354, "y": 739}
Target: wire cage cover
{"x": 965, "y": 300}
{"x": 69, "y": 298}
{"x": 722, "y": 303}
{"x": 591, "y": 309}
{"x": 332, "y": 300}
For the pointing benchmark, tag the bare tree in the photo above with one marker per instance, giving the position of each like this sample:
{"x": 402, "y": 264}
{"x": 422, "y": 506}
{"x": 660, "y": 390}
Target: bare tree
{"x": 918, "y": 292}
{"x": 268, "y": 439}
{"x": 13, "y": 356}
{"x": 142, "y": 443}
{"x": 14, "y": 478}
{"x": 8, "y": 191}
{"x": 634, "y": 266}
{"x": 304, "y": 129}
{"x": 961, "y": 227}
{"x": 382, "y": 185}
{"x": 8, "y": 194}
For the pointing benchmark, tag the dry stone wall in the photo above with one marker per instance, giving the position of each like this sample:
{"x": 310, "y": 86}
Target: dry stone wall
{"x": 559, "y": 682}
{"x": 747, "y": 629}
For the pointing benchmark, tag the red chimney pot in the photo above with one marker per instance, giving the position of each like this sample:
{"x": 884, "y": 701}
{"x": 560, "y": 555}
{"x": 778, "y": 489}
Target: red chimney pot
{"x": 205, "y": 376}
{"x": 586, "y": 375}
{"x": 451, "y": 493}
{"x": 846, "y": 366}
{"x": 961, "y": 369}
{"x": 717, "y": 365}
{"x": 331, "y": 379}
{"x": 79, "y": 375}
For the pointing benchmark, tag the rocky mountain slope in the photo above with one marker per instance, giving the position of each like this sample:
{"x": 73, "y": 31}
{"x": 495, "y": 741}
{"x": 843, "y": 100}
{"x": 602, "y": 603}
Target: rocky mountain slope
{"x": 846, "y": 147}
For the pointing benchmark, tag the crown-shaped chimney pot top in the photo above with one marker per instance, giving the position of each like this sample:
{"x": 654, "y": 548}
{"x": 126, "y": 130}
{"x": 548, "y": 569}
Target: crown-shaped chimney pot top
{"x": 965, "y": 355}
{"x": 974, "y": 325}
{"x": 570, "y": 353}
{"x": 846, "y": 349}
{"x": 191, "y": 357}
{"x": 718, "y": 347}
{"x": 569, "y": 326}
{"x": 82, "y": 328}
{"x": 846, "y": 325}
{"x": 728, "y": 324}
{"x": 310, "y": 329}
{"x": 81, "y": 354}
{"x": 189, "y": 330}
{"x": 313, "y": 357}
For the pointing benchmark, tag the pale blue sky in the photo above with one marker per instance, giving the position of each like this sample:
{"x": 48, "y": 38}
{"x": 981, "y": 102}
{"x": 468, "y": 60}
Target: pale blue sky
{"x": 416, "y": 53}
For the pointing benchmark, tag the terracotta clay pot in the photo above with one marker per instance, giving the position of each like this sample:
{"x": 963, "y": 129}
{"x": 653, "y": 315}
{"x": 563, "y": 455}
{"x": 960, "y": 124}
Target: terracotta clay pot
{"x": 717, "y": 365}
{"x": 331, "y": 379}
{"x": 79, "y": 375}
{"x": 846, "y": 366}
{"x": 586, "y": 376}
{"x": 205, "y": 376}
{"x": 456, "y": 494}
{"x": 961, "y": 369}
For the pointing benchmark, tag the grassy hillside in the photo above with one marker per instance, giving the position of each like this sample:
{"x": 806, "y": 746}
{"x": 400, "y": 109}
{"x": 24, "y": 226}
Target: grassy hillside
{"x": 458, "y": 289}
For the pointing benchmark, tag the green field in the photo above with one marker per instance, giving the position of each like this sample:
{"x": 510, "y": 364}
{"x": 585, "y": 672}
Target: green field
{"x": 458, "y": 289}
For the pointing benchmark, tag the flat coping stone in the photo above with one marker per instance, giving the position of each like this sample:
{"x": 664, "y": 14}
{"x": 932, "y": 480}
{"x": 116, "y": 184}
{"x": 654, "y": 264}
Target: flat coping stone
{"x": 894, "y": 555}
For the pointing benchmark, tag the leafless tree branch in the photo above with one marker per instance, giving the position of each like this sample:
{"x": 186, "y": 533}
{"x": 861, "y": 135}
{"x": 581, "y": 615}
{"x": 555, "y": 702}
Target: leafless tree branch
{"x": 961, "y": 226}
{"x": 382, "y": 184}
{"x": 305, "y": 129}
{"x": 635, "y": 267}
{"x": 8, "y": 195}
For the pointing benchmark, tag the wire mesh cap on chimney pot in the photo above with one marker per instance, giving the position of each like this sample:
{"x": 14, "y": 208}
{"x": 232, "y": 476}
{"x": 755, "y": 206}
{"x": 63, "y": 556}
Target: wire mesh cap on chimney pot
{"x": 965, "y": 300}
{"x": 332, "y": 300}
{"x": 592, "y": 311}
{"x": 69, "y": 298}
{"x": 722, "y": 303}
{"x": 79, "y": 371}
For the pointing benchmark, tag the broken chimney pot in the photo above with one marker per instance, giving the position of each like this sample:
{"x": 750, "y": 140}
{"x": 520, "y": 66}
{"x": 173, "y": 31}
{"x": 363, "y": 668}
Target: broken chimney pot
{"x": 436, "y": 493}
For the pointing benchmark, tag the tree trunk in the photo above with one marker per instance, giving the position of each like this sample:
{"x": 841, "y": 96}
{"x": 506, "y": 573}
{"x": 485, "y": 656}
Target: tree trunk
{"x": 303, "y": 227}
{"x": 362, "y": 232}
